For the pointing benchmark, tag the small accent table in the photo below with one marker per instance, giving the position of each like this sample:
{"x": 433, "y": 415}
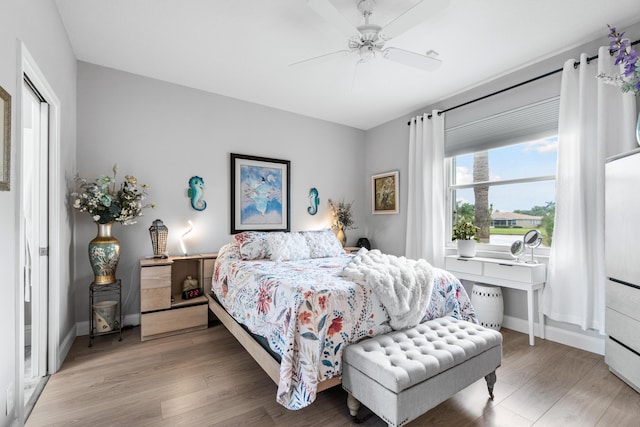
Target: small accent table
{"x": 505, "y": 273}
{"x": 99, "y": 292}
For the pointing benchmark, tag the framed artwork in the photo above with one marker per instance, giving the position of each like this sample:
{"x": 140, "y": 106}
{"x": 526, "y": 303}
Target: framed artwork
{"x": 259, "y": 193}
{"x": 384, "y": 193}
{"x": 5, "y": 139}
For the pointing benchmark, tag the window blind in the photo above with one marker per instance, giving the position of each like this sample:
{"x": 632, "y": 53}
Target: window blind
{"x": 534, "y": 121}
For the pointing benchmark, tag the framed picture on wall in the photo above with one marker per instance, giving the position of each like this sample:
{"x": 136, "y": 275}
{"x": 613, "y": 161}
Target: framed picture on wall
{"x": 384, "y": 193}
{"x": 5, "y": 139}
{"x": 259, "y": 193}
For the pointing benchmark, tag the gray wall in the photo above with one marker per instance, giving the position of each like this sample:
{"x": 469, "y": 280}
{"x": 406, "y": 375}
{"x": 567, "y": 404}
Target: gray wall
{"x": 164, "y": 134}
{"x": 38, "y": 26}
{"x": 387, "y": 145}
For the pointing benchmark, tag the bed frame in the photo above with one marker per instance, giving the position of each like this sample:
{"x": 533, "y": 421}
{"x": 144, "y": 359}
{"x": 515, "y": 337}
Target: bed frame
{"x": 262, "y": 356}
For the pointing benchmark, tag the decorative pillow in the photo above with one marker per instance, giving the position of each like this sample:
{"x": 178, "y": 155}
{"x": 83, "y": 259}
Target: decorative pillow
{"x": 287, "y": 246}
{"x": 323, "y": 243}
{"x": 252, "y": 245}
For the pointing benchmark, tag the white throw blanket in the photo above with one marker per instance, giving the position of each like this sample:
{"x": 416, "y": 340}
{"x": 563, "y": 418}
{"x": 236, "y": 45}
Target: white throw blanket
{"x": 402, "y": 285}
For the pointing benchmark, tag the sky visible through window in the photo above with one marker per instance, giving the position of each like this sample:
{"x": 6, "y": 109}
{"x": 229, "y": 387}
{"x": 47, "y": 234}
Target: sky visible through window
{"x": 525, "y": 160}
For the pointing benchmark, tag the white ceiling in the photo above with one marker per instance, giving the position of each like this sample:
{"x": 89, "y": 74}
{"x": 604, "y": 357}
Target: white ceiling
{"x": 243, "y": 48}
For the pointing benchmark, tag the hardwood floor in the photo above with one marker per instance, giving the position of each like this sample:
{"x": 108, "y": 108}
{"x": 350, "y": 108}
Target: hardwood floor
{"x": 205, "y": 378}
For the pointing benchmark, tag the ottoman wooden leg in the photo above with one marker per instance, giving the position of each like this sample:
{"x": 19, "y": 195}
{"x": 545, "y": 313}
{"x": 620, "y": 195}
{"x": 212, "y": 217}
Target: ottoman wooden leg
{"x": 353, "y": 404}
{"x": 491, "y": 380}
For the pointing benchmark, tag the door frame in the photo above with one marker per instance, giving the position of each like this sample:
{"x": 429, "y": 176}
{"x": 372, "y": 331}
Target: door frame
{"x": 28, "y": 66}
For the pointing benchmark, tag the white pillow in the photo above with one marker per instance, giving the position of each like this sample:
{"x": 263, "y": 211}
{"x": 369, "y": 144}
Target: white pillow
{"x": 287, "y": 246}
{"x": 323, "y": 243}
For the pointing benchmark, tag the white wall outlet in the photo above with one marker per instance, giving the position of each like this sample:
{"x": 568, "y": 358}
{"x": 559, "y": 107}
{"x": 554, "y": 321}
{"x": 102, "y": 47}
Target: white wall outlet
{"x": 10, "y": 399}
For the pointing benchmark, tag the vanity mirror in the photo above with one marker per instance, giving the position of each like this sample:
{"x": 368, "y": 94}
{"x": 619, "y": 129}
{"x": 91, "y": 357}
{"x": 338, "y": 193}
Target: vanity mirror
{"x": 532, "y": 240}
{"x": 517, "y": 248}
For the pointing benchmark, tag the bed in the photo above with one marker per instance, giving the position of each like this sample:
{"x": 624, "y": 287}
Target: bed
{"x": 286, "y": 290}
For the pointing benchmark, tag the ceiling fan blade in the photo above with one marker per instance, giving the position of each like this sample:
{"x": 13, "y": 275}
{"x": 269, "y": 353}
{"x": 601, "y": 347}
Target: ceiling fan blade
{"x": 326, "y": 55}
{"x": 413, "y": 16}
{"x": 330, "y": 14}
{"x": 411, "y": 59}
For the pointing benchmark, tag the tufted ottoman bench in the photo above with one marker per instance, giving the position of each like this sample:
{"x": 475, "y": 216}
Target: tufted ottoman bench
{"x": 403, "y": 374}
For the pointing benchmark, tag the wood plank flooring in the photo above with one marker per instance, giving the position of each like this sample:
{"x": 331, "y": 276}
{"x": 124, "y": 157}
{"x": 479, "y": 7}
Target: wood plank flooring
{"x": 205, "y": 378}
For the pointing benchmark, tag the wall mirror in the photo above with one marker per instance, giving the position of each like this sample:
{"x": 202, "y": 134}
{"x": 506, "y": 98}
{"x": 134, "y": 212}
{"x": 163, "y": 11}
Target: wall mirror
{"x": 532, "y": 239}
{"x": 5, "y": 139}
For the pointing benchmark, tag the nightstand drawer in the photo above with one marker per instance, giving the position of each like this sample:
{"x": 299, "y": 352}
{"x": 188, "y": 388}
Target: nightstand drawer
{"x": 510, "y": 272}
{"x": 463, "y": 266}
{"x": 155, "y": 299}
{"x": 161, "y": 323}
{"x": 155, "y": 277}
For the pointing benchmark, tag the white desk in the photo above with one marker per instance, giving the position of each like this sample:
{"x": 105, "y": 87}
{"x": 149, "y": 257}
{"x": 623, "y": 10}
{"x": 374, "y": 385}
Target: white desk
{"x": 506, "y": 273}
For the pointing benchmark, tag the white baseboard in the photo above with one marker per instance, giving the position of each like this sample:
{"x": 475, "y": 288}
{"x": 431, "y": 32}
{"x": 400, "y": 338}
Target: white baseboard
{"x": 559, "y": 335}
{"x": 65, "y": 347}
{"x": 82, "y": 328}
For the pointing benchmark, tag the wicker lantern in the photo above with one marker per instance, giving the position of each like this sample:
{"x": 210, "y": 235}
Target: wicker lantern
{"x": 159, "y": 233}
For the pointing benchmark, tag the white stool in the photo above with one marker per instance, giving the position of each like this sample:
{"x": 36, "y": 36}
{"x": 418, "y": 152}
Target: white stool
{"x": 489, "y": 305}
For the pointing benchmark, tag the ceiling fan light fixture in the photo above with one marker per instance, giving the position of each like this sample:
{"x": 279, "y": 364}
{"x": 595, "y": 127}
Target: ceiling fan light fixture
{"x": 367, "y": 53}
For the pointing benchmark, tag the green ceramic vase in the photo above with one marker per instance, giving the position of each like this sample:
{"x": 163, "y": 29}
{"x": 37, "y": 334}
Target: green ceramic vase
{"x": 104, "y": 253}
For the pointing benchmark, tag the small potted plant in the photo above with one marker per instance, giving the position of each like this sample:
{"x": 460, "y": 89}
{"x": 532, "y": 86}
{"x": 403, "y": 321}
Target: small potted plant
{"x": 464, "y": 234}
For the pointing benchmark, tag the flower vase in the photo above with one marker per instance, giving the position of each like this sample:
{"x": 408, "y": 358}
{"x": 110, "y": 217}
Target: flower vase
{"x": 104, "y": 253}
{"x": 341, "y": 236}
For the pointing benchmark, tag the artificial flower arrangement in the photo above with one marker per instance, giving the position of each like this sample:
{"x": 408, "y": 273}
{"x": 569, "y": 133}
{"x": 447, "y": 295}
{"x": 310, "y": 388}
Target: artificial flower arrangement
{"x": 106, "y": 202}
{"x": 341, "y": 212}
{"x": 464, "y": 230}
{"x": 629, "y": 79}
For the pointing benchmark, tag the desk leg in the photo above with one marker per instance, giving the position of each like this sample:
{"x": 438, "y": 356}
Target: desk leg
{"x": 540, "y": 314}
{"x": 530, "y": 315}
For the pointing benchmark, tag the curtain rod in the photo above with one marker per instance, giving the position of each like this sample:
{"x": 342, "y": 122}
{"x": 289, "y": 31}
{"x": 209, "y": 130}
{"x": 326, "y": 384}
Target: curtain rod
{"x": 550, "y": 73}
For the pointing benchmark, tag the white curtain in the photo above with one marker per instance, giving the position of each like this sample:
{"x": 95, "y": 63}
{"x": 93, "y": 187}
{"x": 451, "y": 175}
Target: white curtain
{"x": 596, "y": 121}
{"x": 425, "y": 205}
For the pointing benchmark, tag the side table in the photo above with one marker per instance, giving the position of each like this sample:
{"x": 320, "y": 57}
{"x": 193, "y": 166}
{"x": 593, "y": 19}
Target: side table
{"x": 508, "y": 274}
{"x": 101, "y": 292}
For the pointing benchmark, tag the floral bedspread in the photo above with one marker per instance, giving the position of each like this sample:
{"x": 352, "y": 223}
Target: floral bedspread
{"x": 308, "y": 313}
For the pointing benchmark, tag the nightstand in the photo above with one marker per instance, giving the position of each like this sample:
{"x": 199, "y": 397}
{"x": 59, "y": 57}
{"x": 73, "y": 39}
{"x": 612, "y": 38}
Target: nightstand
{"x": 162, "y": 310}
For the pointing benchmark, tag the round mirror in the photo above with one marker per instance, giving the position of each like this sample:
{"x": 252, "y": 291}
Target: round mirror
{"x": 532, "y": 239}
{"x": 517, "y": 248}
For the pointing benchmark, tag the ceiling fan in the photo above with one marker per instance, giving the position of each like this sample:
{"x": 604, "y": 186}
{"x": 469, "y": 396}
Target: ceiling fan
{"x": 368, "y": 40}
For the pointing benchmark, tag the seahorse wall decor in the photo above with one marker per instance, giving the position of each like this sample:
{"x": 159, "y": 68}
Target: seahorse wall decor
{"x": 196, "y": 192}
{"x": 314, "y": 200}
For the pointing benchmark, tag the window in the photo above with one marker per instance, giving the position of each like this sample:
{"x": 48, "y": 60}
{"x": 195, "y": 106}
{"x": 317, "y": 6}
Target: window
{"x": 506, "y": 191}
{"x": 502, "y": 173}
